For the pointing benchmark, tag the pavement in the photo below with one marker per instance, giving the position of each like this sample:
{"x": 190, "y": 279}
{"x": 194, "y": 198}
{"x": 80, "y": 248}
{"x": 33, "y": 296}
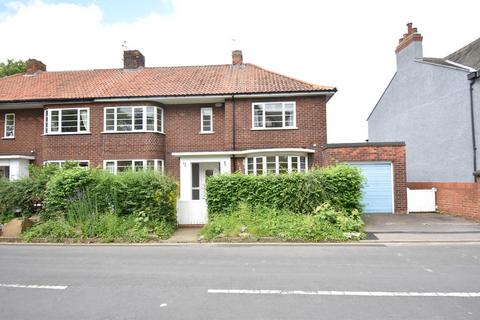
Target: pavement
{"x": 420, "y": 227}
{"x": 185, "y": 235}
{"x": 208, "y": 281}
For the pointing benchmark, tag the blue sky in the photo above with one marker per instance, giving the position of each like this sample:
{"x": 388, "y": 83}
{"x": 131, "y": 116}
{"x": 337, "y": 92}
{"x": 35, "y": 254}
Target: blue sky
{"x": 114, "y": 11}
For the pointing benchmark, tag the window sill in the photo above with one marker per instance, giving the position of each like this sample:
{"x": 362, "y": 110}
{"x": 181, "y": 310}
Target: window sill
{"x": 206, "y": 132}
{"x": 122, "y": 132}
{"x": 270, "y": 129}
{"x": 8, "y": 138}
{"x": 66, "y": 133}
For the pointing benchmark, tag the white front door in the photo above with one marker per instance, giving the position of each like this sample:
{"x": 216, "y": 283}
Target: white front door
{"x": 206, "y": 170}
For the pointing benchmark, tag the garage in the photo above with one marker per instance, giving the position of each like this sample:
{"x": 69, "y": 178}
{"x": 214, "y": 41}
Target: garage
{"x": 378, "y": 189}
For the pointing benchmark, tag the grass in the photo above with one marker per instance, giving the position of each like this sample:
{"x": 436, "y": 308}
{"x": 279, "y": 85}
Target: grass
{"x": 249, "y": 223}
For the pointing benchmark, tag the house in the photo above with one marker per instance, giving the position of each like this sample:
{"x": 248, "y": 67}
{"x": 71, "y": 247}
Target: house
{"x": 433, "y": 104}
{"x": 189, "y": 122}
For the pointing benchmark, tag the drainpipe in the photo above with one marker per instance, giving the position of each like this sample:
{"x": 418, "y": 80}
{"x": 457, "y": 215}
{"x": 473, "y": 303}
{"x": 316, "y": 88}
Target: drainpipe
{"x": 233, "y": 132}
{"x": 473, "y": 76}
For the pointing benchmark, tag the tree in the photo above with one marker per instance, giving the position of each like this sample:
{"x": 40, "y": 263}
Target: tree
{"x": 12, "y": 67}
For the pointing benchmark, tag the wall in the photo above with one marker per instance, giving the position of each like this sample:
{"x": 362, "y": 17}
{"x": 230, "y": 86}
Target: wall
{"x": 460, "y": 199}
{"x": 391, "y": 152}
{"x": 428, "y": 107}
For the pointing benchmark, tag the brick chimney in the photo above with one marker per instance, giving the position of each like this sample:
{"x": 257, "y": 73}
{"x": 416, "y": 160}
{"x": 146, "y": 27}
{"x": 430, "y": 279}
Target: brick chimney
{"x": 409, "y": 47}
{"x": 34, "y": 66}
{"x": 237, "y": 57}
{"x": 133, "y": 59}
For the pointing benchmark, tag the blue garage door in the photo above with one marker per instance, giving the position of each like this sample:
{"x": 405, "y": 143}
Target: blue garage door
{"x": 377, "y": 193}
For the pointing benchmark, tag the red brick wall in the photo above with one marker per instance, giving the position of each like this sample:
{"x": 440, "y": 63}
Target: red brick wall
{"x": 456, "y": 198}
{"x": 394, "y": 153}
{"x": 28, "y": 133}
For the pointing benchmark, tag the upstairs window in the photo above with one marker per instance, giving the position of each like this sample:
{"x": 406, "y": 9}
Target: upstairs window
{"x": 134, "y": 119}
{"x": 207, "y": 120}
{"x": 67, "y": 121}
{"x": 273, "y": 115}
{"x": 9, "y": 126}
{"x": 275, "y": 164}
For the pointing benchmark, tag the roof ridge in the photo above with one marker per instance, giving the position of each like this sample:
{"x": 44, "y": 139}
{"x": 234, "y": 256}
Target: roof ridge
{"x": 291, "y": 78}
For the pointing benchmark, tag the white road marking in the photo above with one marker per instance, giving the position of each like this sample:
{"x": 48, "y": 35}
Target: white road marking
{"x": 163, "y": 305}
{"x": 350, "y": 293}
{"x": 32, "y": 286}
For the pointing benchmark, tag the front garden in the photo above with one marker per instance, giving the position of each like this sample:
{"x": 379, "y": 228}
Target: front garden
{"x": 321, "y": 205}
{"x": 81, "y": 204}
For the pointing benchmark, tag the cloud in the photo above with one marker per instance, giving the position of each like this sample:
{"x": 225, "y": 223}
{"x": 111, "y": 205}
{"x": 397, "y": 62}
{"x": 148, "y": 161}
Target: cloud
{"x": 348, "y": 44}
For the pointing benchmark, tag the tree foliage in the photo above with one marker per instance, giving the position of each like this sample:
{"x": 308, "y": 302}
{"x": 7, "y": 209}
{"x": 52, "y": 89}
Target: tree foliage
{"x": 12, "y": 67}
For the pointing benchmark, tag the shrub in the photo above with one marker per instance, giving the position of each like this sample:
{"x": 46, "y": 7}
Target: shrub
{"x": 52, "y": 230}
{"x": 340, "y": 186}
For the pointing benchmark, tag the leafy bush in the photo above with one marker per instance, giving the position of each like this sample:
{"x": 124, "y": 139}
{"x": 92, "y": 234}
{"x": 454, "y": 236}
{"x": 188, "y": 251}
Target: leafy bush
{"x": 52, "y": 230}
{"x": 259, "y": 222}
{"x": 341, "y": 186}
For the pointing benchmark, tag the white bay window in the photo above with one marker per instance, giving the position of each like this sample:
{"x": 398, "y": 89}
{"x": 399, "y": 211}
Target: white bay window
{"x": 275, "y": 164}
{"x": 133, "y": 119}
{"x": 274, "y": 115}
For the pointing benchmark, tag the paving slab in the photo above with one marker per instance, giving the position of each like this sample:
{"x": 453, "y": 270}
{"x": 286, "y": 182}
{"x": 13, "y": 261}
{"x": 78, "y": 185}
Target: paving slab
{"x": 420, "y": 227}
{"x": 185, "y": 235}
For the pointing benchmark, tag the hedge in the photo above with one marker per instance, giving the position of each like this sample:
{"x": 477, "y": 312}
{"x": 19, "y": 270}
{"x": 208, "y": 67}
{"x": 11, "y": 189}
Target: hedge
{"x": 123, "y": 194}
{"x": 341, "y": 186}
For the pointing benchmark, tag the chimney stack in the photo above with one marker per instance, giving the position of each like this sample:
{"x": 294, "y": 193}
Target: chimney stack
{"x": 133, "y": 59}
{"x": 409, "y": 47}
{"x": 34, "y": 66}
{"x": 237, "y": 57}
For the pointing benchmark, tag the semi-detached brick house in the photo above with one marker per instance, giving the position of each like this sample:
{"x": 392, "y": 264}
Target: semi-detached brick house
{"x": 189, "y": 122}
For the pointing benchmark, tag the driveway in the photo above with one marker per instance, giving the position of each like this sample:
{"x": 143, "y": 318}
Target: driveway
{"x": 420, "y": 227}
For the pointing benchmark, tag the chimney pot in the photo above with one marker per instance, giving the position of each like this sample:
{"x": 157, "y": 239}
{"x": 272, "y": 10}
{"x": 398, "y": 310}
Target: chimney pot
{"x": 34, "y": 66}
{"x": 237, "y": 57}
{"x": 133, "y": 59}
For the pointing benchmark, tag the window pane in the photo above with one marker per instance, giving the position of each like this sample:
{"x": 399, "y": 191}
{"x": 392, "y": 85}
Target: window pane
{"x": 294, "y": 161}
{"x": 195, "y": 175}
{"x": 259, "y": 165}
{"x": 138, "y": 118}
{"x": 282, "y": 164}
{"x": 69, "y": 120}
{"x": 273, "y": 115}
{"x": 160, "y": 165}
{"x": 150, "y": 164}
{"x": 110, "y": 166}
{"x": 195, "y": 194}
{"x": 83, "y": 164}
{"x": 83, "y": 120}
{"x": 124, "y": 166}
{"x": 250, "y": 165}
{"x": 10, "y": 125}
{"x": 54, "y": 121}
{"x": 124, "y": 119}
{"x": 110, "y": 119}
{"x": 206, "y": 119}
{"x": 151, "y": 118}
{"x": 137, "y": 165}
{"x": 271, "y": 165}
{"x": 303, "y": 166}
{"x": 258, "y": 116}
{"x": 159, "y": 119}
{"x": 289, "y": 115}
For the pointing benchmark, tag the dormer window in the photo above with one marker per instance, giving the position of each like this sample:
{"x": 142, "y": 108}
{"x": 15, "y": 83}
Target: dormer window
{"x": 273, "y": 115}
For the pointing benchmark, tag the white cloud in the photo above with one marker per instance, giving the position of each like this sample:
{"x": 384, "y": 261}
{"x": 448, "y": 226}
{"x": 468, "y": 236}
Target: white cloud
{"x": 348, "y": 44}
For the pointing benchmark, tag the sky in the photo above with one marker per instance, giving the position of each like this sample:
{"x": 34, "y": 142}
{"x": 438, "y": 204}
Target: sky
{"x": 348, "y": 44}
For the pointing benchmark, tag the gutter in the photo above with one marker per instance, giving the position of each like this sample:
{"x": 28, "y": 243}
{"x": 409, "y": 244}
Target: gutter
{"x": 473, "y": 76}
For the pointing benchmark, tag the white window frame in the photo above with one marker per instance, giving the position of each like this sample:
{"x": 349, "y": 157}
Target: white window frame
{"x": 60, "y": 163}
{"x": 144, "y": 119}
{"x": 202, "y": 111}
{"x": 158, "y": 164}
{"x": 277, "y": 163}
{"x": 283, "y": 127}
{"x": 5, "y": 136}
{"x": 47, "y": 128}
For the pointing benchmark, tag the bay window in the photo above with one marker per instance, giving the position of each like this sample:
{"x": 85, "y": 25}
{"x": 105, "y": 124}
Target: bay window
{"x": 273, "y": 115}
{"x": 67, "y": 121}
{"x": 275, "y": 164}
{"x": 133, "y": 119}
{"x": 116, "y": 166}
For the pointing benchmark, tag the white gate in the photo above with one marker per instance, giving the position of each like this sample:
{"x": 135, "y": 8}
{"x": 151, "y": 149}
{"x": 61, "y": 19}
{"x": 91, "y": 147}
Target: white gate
{"x": 421, "y": 200}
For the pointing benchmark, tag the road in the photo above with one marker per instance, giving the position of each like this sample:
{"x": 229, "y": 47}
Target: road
{"x": 173, "y": 282}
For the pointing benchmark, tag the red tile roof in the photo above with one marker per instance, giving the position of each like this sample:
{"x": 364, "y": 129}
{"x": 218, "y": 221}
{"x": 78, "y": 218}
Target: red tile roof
{"x": 150, "y": 82}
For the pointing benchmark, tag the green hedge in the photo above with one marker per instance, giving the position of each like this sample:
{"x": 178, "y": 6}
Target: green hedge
{"x": 123, "y": 194}
{"x": 341, "y": 186}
